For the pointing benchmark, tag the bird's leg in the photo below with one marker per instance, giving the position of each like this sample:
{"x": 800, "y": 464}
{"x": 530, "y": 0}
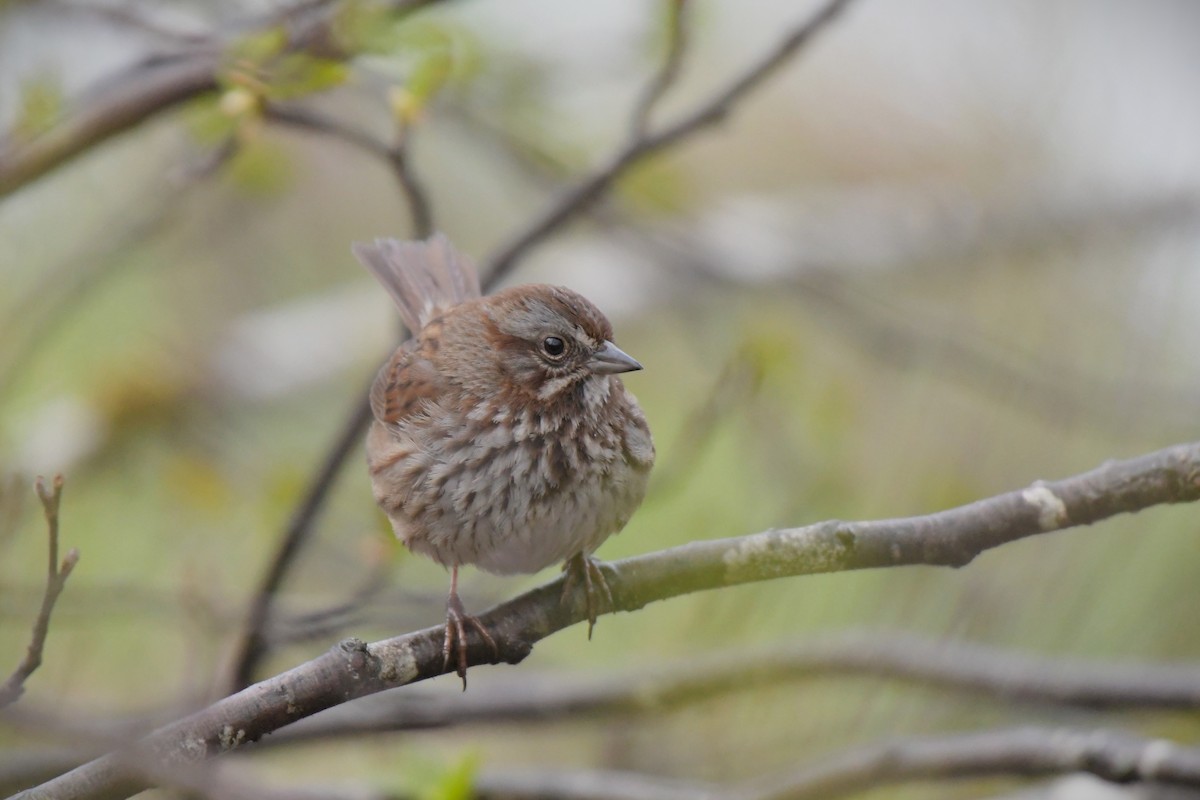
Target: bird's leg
{"x": 583, "y": 568}
{"x": 457, "y": 621}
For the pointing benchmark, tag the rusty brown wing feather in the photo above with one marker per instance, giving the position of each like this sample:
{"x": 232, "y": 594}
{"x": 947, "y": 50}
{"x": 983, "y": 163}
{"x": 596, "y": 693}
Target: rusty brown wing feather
{"x": 423, "y": 278}
{"x": 404, "y": 384}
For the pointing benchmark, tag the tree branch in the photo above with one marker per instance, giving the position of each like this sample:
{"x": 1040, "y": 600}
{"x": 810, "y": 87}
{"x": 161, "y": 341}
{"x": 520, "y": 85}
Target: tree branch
{"x": 396, "y": 156}
{"x": 1113, "y": 756}
{"x": 1027, "y": 752}
{"x": 667, "y": 73}
{"x": 56, "y": 580}
{"x": 583, "y": 194}
{"x": 976, "y": 669}
{"x": 948, "y": 538}
{"x": 130, "y": 97}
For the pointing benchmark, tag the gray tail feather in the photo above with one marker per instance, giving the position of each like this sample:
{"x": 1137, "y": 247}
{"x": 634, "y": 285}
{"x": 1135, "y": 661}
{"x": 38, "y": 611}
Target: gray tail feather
{"x": 423, "y": 278}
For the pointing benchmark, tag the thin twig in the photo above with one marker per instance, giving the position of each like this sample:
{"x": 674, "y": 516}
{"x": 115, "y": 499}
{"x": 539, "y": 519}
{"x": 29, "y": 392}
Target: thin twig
{"x": 1028, "y": 752}
{"x": 951, "y": 538}
{"x": 1112, "y": 756}
{"x": 396, "y": 156}
{"x": 419, "y": 208}
{"x": 579, "y": 197}
{"x": 667, "y": 73}
{"x": 56, "y": 580}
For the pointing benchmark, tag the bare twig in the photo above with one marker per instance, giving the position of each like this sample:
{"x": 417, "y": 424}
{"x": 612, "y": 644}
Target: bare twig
{"x": 396, "y": 155}
{"x": 419, "y": 208}
{"x": 1026, "y": 752}
{"x": 950, "y": 538}
{"x": 583, "y": 194}
{"x": 56, "y": 579}
{"x": 667, "y": 73}
{"x": 1029, "y": 752}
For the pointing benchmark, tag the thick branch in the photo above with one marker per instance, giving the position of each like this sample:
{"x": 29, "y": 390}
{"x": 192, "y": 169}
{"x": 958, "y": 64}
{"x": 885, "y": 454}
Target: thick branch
{"x": 56, "y": 580}
{"x": 121, "y": 103}
{"x": 583, "y": 194}
{"x": 948, "y": 538}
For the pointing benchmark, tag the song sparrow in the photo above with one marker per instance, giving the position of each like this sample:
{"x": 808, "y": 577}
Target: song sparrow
{"x": 502, "y": 436}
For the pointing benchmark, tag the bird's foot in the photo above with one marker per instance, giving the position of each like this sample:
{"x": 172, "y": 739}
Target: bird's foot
{"x": 455, "y": 644}
{"x": 589, "y": 571}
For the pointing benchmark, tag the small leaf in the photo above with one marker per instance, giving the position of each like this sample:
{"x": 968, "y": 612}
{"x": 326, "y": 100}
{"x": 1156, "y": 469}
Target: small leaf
{"x": 41, "y": 107}
{"x": 207, "y": 122}
{"x": 297, "y": 74}
{"x": 429, "y": 74}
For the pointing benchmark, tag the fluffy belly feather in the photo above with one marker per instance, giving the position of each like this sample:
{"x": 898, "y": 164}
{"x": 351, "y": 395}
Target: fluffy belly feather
{"x": 506, "y": 506}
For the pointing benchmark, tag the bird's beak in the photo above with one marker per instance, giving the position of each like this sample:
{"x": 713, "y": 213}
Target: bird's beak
{"x": 610, "y": 359}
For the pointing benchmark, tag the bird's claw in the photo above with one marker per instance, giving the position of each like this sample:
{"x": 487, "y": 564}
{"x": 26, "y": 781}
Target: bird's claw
{"x": 455, "y": 643}
{"x": 589, "y": 571}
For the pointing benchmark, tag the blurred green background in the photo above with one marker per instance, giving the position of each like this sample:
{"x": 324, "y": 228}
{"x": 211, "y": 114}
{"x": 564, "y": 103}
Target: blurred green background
{"x": 950, "y": 250}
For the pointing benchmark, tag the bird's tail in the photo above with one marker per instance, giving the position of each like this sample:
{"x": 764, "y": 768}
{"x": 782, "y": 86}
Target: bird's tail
{"x": 423, "y": 278}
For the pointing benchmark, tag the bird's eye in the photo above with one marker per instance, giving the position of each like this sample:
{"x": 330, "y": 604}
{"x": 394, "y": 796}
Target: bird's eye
{"x": 553, "y": 346}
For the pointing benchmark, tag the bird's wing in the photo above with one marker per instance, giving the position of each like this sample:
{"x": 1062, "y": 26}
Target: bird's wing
{"x": 405, "y": 384}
